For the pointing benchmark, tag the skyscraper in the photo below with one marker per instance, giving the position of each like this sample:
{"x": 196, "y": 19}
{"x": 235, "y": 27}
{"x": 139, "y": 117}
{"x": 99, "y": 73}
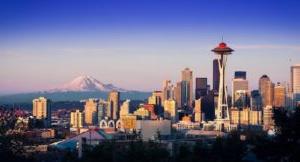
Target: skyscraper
{"x": 279, "y": 96}
{"x": 41, "y": 109}
{"x": 76, "y": 119}
{"x": 186, "y": 87}
{"x": 113, "y": 104}
{"x": 216, "y": 75}
{"x": 177, "y": 94}
{"x": 266, "y": 89}
{"x": 295, "y": 82}
{"x": 201, "y": 88}
{"x": 90, "y": 111}
{"x": 240, "y": 90}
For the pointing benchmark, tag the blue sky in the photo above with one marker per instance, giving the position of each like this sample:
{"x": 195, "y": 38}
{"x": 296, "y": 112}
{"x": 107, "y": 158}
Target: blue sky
{"x": 135, "y": 44}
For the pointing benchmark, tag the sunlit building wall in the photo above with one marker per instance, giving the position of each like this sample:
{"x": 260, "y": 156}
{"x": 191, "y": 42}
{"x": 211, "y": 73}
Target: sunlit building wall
{"x": 266, "y": 89}
{"x": 124, "y": 109}
{"x": 41, "y": 109}
{"x": 197, "y": 111}
{"x": 295, "y": 82}
{"x": 170, "y": 110}
{"x": 279, "y": 95}
{"x": 76, "y": 119}
{"x": 113, "y": 105}
{"x": 90, "y": 111}
{"x": 142, "y": 113}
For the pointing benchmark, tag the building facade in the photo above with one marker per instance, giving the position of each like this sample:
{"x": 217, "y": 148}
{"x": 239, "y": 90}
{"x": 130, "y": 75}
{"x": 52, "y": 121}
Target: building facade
{"x": 295, "y": 82}
{"x": 240, "y": 91}
{"x": 216, "y": 75}
{"x": 170, "y": 110}
{"x": 201, "y": 89}
{"x": 90, "y": 111}
{"x": 124, "y": 109}
{"x": 113, "y": 105}
{"x": 42, "y": 110}
{"x": 197, "y": 111}
{"x": 279, "y": 96}
{"x": 266, "y": 89}
{"x": 186, "y": 87}
{"x": 76, "y": 119}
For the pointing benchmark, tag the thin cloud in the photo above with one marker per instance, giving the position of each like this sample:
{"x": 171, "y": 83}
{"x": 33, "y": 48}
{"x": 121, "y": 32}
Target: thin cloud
{"x": 268, "y": 46}
{"x": 83, "y": 50}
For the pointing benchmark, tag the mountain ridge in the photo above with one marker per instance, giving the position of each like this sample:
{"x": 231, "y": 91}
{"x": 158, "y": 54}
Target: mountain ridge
{"x": 86, "y": 83}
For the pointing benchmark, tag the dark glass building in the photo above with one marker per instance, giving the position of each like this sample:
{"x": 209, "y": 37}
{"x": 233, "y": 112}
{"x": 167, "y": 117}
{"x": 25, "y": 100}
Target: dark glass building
{"x": 240, "y": 75}
{"x": 201, "y": 87}
{"x": 216, "y": 75}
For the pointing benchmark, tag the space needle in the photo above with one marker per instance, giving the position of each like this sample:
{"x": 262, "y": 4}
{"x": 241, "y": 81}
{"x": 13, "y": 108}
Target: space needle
{"x": 222, "y": 111}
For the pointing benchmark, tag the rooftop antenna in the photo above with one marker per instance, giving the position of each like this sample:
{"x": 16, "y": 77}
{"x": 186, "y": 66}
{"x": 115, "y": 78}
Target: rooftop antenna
{"x": 222, "y": 38}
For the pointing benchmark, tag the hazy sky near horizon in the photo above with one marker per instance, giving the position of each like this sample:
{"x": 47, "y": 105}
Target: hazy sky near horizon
{"x": 136, "y": 44}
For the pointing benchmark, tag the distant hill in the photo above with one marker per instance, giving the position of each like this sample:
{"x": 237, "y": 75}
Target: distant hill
{"x": 70, "y": 96}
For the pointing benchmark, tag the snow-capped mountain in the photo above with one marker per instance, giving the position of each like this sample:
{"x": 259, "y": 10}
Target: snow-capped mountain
{"x": 85, "y": 84}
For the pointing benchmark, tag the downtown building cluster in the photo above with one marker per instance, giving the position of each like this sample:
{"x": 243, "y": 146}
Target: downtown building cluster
{"x": 190, "y": 106}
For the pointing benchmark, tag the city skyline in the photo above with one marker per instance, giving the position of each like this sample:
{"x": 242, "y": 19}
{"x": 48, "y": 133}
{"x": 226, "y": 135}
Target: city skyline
{"x": 45, "y": 45}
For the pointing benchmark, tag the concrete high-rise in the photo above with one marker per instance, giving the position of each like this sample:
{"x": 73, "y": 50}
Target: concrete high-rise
{"x": 216, "y": 75}
{"x": 113, "y": 104}
{"x": 279, "y": 96}
{"x": 186, "y": 87}
{"x": 295, "y": 82}
{"x": 76, "y": 119}
{"x": 201, "y": 88}
{"x": 90, "y": 111}
{"x": 266, "y": 89}
{"x": 41, "y": 109}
